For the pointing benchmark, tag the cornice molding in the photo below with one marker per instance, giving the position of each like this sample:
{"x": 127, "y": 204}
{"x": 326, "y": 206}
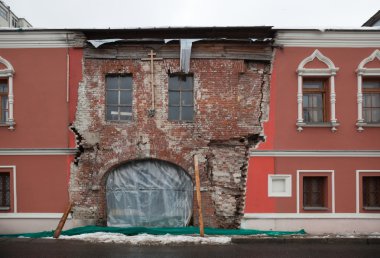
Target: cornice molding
{"x": 41, "y": 39}
{"x": 317, "y": 153}
{"x": 354, "y": 39}
{"x": 37, "y": 151}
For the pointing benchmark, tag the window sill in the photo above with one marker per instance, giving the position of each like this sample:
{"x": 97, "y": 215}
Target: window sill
{"x": 318, "y": 125}
{"x": 371, "y": 208}
{"x": 10, "y": 126}
{"x": 315, "y": 208}
{"x": 360, "y": 125}
{"x": 5, "y": 208}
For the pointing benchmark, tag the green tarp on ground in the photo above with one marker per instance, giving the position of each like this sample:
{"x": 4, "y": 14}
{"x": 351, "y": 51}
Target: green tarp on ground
{"x": 158, "y": 231}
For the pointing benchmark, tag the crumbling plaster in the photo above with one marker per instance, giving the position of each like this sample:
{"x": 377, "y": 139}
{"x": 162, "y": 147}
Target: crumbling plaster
{"x": 230, "y": 98}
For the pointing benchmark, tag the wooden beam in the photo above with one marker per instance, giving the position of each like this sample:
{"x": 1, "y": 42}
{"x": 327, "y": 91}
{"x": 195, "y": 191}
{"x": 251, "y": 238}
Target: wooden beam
{"x": 62, "y": 222}
{"x": 199, "y": 199}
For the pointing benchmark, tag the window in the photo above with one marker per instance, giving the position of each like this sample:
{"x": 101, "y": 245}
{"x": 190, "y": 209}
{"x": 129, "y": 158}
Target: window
{"x": 314, "y": 192}
{"x": 119, "y": 97}
{"x": 3, "y": 101}
{"x": 371, "y": 192}
{"x": 371, "y": 101}
{"x": 181, "y": 98}
{"x": 279, "y": 185}
{"x": 6, "y": 94}
{"x": 314, "y": 101}
{"x": 5, "y": 191}
{"x": 14, "y": 22}
{"x": 368, "y": 95}
{"x": 316, "y": 96}
{"x": 3, "y": 13}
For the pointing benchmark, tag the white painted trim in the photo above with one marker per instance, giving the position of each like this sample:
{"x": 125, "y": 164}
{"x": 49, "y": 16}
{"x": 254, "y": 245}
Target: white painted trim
{"x": 311, "y": 216}
{"x": 316, "y": 38}
{"x": 32, "y": 215}
{"x": 321, "y": 153}
{"x": 330, "y": 72}
{"x": 362, "y": 71}
{"x": 357, "y": 193}
{"x": 332, "y": 186}
{"x": 41, "y": 39}
{"x": 8, "y": 74}
{"x": 13, "y": 167}
{"x": 27, "y": 152}
{"x": 287, "y": 186}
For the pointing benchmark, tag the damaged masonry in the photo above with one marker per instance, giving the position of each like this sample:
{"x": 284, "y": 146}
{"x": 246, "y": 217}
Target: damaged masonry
{"x": 147, "y": 105}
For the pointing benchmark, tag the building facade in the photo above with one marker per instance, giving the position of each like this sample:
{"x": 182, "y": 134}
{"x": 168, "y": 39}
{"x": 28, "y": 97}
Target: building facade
{"x": 10, "y": 20}
{"x": 146, "y": 102}
{"x": 39, "y": 74}
{"x": 319, "y": 168}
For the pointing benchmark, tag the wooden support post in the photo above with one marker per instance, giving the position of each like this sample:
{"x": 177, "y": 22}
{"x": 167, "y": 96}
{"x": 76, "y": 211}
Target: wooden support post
{"x": 199, "y": 199}
{"x": 62, "y": 222}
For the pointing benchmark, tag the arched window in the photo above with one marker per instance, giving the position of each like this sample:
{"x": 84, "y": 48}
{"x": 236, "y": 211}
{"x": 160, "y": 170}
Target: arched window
{"x": 368, "y": 93}
{"x": 316, "y": 94}
{"x": 6, "y": 94}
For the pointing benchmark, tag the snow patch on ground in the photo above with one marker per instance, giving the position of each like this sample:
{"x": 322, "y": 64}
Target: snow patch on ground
{"x": 146, "y": 239}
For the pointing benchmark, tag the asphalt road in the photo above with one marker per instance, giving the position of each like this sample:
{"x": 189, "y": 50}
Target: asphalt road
{"x": 70, "y": 248}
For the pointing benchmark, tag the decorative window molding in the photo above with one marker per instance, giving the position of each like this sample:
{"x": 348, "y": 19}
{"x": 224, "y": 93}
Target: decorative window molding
{"x": 7, "y": 74}
{"x": 279, "y": 185}
{"x": 362, "y": 71}
{"x": 328, "y": 72}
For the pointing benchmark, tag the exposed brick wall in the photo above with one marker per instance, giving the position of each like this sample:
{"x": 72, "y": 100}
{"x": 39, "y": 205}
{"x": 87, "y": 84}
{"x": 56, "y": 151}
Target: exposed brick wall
{"x": 228, "y": 103}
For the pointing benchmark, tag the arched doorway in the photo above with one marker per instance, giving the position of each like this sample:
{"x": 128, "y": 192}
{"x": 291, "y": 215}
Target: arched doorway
{"x": 149, "y": 193}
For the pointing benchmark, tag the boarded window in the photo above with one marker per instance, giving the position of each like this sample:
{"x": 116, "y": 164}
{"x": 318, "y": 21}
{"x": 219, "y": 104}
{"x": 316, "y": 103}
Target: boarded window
{"x": 314, "y": 192}
{"x": 5, "y": 190}
{"x": 119, "y": 97}
{"x": 371, "y": 192}
{"x": 314, "y": 101}
{"x": 371, "y": 101}
{"x": 181, "y": 98}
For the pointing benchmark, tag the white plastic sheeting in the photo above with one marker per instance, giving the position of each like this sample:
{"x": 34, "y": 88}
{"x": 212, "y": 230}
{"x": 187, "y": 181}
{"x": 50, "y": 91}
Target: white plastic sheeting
{"x": 149, "y": 193}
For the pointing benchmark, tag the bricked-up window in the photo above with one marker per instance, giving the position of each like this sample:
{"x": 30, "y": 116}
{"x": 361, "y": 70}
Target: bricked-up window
{"x": 371, "y": 101}
{"x": 181, "y": 98}
{"x": 3, "y": 101}
{"x": 5, "y": 191}
{"x": 118, "y": 97}
{"x": 314, "y": 192}
{"x": 314, "y": 101}
{"x": 371, "y": 192}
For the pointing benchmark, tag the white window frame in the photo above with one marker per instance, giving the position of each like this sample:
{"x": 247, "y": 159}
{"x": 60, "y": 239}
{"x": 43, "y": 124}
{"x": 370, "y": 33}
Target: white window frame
{"x": 328, "y": 72}
{"x": 8, "y": 73}
{"x": 362, "y": 71}
{"x": 288, "y": 186}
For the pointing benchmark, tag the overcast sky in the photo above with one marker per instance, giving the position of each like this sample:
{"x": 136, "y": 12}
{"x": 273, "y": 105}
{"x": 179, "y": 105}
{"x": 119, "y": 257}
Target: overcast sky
{"x": 179, "y": 13}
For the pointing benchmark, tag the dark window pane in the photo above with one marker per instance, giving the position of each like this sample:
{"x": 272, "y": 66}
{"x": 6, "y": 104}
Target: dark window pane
{"x": 187, "y": 98}
{"x": 371, "y": 191}
{"x": 188, "y": 83}
{"x": 371, "y": 84}
{"x": 3, "y": 87}
{"x": 376, "y": 115}
{"x": 375, "y": 100}
{"x": 367, "y": 100}
{"x": 112, "y": 97}
{"x": 314, "y": 192}
{"x": 126, "y": 97}
{"x": 173, "y": 113}
{"x": 174, "y": 98}
{"x": 125, "y": 82}
{"x": 174, "y": 83}
{"x": 112, "y": 82}
{"x": 5, "y": 195}
{"x": 305, "y": 100}
{"x": 125, "y": 113}
{"x": 187, "y": 113}
{"x": 112, "y": 113}
{"x": 313, "y": 85}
